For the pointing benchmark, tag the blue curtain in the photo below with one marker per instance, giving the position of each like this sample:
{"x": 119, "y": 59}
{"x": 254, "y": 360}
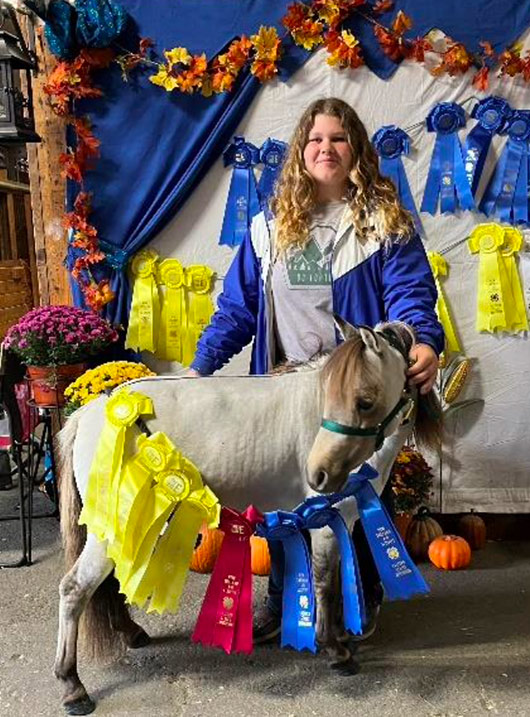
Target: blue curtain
{"x": 156, "y": 147}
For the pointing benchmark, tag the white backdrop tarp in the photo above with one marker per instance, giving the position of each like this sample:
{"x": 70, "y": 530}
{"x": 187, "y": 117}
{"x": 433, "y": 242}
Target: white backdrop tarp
{"x": 486, "y": 459}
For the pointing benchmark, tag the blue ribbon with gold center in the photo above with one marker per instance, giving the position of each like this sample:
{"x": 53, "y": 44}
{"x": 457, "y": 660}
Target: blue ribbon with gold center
{"x": 491, "y": 114}
{"x": 271, "y": 154}
{"x": 506, "y": 195}
{"x": 242, "y": 203}
{"x": 390, "y": 143}
{"x": 447, "y": 177}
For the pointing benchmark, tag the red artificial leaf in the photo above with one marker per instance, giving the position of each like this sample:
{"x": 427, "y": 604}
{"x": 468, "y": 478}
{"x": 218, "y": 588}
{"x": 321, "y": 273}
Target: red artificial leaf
{"x": 382, "y": 6}
{"x": 145, "y": 44}
{"x": 487, "y": 49}
{"x": 481, "y": 79}
{"x": 402, "y": 23}
{"x": 390, "y": 43}
{"x": 417, "y": 48}
{"x": 296, "y": 14}
{"x": 511, "y": 63}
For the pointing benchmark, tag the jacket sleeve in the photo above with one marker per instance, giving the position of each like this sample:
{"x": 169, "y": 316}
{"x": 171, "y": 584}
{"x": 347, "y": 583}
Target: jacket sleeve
{"x": 409, "y": 291}
{"x": 233, "y": 325}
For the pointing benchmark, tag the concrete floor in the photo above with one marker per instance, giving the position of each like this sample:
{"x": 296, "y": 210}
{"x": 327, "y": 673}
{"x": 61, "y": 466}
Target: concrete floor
{"x": 464, "y": 650}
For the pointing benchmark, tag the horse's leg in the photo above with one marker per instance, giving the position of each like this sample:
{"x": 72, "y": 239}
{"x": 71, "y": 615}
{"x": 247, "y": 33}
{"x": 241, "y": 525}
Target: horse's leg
{"x": 121, "y": 621}
{"x": 75, "y": 590}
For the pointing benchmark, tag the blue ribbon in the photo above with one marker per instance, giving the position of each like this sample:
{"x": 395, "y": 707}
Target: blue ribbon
{"x": 447, "y": 177}
{"x": 390, "y": 142}
{"x": 272, "y": 153}
{"x": 506, "y": 195}
{"x": 298, "y": 606}
{"x": 242, "y": 203}
{"x": 401, "y": 579}
{"x": 491, "y": 114}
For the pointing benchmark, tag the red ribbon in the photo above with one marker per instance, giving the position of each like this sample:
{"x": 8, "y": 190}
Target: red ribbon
{"x": 225, "y": 619}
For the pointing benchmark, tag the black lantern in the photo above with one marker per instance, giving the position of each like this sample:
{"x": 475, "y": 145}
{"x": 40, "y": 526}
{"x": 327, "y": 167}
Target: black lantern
{"x": 16, "y": 110}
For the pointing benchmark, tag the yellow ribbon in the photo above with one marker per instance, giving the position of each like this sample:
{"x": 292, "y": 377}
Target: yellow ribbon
{"x": 439, "y": 268}
{"x": 172, "y": 320}
{"x": 517, "y": 319}
{"x": 121, "y": 411}
{"x": 142, "y": 332}
{"x": 199, "y": 280}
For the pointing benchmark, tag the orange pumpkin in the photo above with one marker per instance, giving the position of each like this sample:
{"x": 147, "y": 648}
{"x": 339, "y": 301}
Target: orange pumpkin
{"x": 473, "y": 529}
{"x": 205, "y": 554}
{"x": 259, "y": 556}
{"x": 450, "y": 552}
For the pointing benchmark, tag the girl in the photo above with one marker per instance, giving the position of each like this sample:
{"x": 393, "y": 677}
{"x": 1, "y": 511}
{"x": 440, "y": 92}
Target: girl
{"x": 335, "y": 241}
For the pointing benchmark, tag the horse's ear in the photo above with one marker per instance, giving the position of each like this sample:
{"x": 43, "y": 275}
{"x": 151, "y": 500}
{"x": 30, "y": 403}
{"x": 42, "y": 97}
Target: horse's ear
{"x": 346, "y": 330}
{"x": 369, "y": 338}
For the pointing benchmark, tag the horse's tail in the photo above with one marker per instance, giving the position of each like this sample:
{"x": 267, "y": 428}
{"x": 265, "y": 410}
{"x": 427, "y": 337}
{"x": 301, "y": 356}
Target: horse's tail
{"x": 428, "y": 426}
{"x": 106, "y": 611}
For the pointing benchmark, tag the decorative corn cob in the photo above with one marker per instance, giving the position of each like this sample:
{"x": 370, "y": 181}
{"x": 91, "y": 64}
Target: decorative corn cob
{"x": 456, "y": 381}
{"x": 442, "y": 360}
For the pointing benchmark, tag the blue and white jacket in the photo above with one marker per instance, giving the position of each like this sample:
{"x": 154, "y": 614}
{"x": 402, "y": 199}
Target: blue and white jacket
{"x": 370, "y": 283}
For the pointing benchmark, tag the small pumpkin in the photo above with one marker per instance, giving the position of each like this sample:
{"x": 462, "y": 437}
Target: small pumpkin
{"x": 450, "y": 552}
{"x": 473, "y": 529}
{"x": 422, "y": 530}
{"x": 259, "y": 556}
{"x": 205, "y": 554}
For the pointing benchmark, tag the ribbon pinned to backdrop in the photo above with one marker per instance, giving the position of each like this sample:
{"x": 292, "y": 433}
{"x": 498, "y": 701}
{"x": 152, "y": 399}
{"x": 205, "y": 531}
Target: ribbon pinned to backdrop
{"x": 447, "y": 178}
{"x": 272, "y": 153}
{"x": 243, "y": 202}
{"x": 491, "y": 114}
{"x": 142, "y": 332}
{"x": 439, "y": 268}
{"x": 225, "y": 619}
{"x": 401, "y": 579}
{"x": 390, "y": 142}
{"x": 506, "y": 195}
{"x": 298, "y": 602}
{"x": 199, "y": 281}
{"x": 173, "y": 316}
{"x": 500, "y": 302}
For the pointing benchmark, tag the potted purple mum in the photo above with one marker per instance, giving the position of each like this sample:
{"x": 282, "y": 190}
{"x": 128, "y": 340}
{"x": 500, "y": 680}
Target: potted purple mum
{"x": 54, "y": 342}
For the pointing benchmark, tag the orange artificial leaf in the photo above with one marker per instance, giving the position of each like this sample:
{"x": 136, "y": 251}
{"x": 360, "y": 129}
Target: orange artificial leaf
{"x": 70, "y": 167}
{"x": 264, "y": 70}
{"x": 511, "y": 63}
{"x": 222, "y": 82}
{"x": 266, "y": 44}
{"x": 481, "y": 79}
{"x": 402, "y": 23}
{"x": 309, "y": 35}
{"x": 97, "y": 58}
{"x": 296, "y": 14}
{"x": 391, "y": 44}
{"x": 328, "y": 11}
{"x": 526, "y": 68}
{"x": 487, "y": 49}
{"x": 382, "y": 6}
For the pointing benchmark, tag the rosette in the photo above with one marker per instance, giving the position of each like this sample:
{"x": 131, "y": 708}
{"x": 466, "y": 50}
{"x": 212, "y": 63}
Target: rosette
{"x": 199, "y": 281}
{"x": 242, "y": 203}
{"x": 272, "y": 153}
{"x": 173, "y": 316}
{"x": 439, "y": 268}
{"x": 506, "y": 195}
{"x": 142, "y": 331}
{"x": 447, "y": 177}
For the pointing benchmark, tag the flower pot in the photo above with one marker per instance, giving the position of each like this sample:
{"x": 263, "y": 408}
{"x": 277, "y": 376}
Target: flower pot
{"x": 47, "y": 383}
{"x": 402, "y": 522}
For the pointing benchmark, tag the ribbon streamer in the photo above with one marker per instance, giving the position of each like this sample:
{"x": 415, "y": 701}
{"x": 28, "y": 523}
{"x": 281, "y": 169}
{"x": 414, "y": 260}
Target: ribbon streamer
{"x": 401, "y": 579}
{"x": 439, "y": 268}
{"x": 225, "y": 619}
{"x": 100, "y": 504}
{"x": 271, "y": 154}
{"x": 298, "y": 601}
{"x": 513, "y": 242}
{"x": 506, "y": 195}
{"x": 491, "y": 114}
{"x": 390, "y": 142}
{"x": 142, "y": 332}
{"x": 447, "y": 177}
{"x": 199, "y": 280}
{"x": 243, "y": 202}
{"x": 173, "y": 316}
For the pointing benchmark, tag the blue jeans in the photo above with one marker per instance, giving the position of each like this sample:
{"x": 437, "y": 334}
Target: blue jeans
{"x": 367, "y": 568}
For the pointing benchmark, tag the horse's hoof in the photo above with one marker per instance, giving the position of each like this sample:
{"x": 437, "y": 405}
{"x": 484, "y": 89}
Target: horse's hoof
{"x": 139, "y": 639}
{"x": 347, "y": 667}
{"x": 81, "y": 706}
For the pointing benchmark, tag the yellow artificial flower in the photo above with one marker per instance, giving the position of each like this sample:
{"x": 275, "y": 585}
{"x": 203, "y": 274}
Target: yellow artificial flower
{"x": 164, "y": 79}
{"x": 349, "y": 39}
{"x": 178, "y": 55}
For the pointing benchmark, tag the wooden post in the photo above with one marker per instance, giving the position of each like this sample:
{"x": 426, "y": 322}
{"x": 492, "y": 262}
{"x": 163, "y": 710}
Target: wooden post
{"x": 48, "y": 188}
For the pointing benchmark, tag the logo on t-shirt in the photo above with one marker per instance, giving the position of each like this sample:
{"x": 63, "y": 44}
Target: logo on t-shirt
{"x": 310, "y": 267}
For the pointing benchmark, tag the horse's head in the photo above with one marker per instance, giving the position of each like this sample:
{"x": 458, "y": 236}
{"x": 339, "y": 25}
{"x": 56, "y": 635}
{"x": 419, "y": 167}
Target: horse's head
{"x": 364, "y": 383}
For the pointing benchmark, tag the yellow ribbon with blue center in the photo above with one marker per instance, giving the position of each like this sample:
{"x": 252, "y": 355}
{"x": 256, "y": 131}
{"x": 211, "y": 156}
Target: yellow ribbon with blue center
{"x": 173, "y": 316}
{"x": 199, "y": 280}
{"x": 142, "y": 332}
{"x": 439, "y": 268}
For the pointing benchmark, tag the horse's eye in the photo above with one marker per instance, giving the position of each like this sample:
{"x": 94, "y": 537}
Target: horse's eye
{"x": 364, "y": 404}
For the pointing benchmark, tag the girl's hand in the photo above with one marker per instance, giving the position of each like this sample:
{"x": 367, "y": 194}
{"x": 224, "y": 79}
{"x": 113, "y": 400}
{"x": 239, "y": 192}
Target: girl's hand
{"x": 423, "y": 371}
{"x": 192, "y": 373}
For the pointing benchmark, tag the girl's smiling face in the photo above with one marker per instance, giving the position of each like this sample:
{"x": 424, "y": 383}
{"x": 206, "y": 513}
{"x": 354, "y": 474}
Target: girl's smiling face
{"x": 328, "y": 157}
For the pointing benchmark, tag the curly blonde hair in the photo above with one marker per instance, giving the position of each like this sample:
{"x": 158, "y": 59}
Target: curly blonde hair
{"x": 377, "y": 212}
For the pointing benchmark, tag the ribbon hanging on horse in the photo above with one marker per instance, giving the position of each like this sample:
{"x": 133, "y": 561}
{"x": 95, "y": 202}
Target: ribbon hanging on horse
{"x": 447, "y": 177}
{"x": 199, "y": 280}
{"x": 272, "y": 153}
{"x": 506, "y": 195}
{"x": 298, "y": 602}
{"x": 318, "y": 512}
{"x": 121, "y": 412}
{"x": 243, "y": 202}
{"x": 390, "y": 142}
{"x": 491, "y": 114}
{"x": 142, "y": 333}
{"x": 401, "y": 579}
{"x": 173, "y": 315}
{"x": 439, "y": 268}
{"x": 225, "y": 619}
